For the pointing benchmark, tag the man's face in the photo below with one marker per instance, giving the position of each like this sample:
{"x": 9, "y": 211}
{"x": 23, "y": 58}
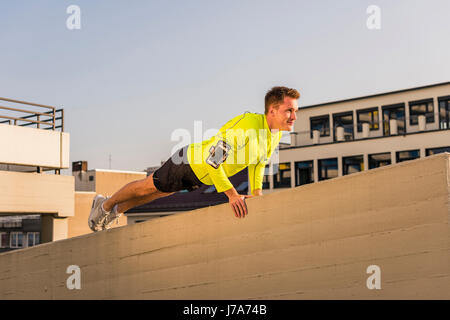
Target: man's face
{"x": 285, "y": 116}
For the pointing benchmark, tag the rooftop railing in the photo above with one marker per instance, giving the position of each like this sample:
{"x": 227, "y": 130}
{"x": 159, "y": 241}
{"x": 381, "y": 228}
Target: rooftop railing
{"x": 22, "y": 113}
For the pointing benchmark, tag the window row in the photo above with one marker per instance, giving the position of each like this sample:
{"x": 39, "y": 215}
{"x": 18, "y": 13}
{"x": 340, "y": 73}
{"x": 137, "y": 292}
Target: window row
{"x": 11, "y": 224}
{"x": 344, "y": 121}
{"x": 19, "y": 239}
{"x": 328, "y": 168}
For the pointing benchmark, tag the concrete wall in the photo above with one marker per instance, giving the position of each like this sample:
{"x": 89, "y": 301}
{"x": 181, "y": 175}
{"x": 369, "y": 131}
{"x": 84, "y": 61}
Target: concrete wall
{"x": 36, "y": 193}
{"x": 314, "y": 241}
{"x": 107, "y": 182}
{"x": 38, "y": 147}
{"x": 53, "y": 228}
{"x": 78, "y": 225}
{"x": 83, "y": 180}
{"x": 103, "y": 181}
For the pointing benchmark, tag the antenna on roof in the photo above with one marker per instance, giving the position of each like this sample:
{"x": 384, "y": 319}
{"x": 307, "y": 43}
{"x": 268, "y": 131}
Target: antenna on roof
{"x": 109, "y": 161}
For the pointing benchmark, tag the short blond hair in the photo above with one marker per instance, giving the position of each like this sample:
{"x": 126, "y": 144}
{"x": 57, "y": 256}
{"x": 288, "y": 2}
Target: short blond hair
{"x": 276, "y": 95}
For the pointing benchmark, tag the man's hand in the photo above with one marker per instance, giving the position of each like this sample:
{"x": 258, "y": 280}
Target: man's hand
{"x": 237, "y": 202}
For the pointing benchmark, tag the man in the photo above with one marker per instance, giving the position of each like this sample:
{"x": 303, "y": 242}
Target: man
{"x": 247, "y": 140}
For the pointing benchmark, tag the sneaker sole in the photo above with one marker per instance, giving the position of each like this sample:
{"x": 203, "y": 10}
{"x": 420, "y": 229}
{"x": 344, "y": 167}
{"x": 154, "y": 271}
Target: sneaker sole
{"x": 94, "y": 207}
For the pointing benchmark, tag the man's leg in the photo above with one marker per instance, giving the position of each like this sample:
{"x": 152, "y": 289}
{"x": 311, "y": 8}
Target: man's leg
{"x": 170, "y": 178}
{"x": 128, "y": 194}
{"x": 127, "y": 205}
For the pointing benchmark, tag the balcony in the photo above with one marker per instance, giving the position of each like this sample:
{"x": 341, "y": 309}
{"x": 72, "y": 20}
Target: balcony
{"x": 32, "y": 137}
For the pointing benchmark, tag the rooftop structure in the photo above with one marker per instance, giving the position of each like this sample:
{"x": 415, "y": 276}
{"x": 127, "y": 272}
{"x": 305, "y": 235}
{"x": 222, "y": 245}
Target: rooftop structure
{"x": 33, "y": 137}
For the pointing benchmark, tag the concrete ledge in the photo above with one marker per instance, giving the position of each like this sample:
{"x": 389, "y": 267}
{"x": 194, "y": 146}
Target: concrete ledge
{"x": 34, "y": 147}
{"x": 36, "y": 193}
{"x": 312, "y": 242}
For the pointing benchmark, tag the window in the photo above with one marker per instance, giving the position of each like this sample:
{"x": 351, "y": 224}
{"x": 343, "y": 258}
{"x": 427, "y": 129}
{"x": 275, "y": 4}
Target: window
{"x": 352, "y": 164}
{"x": 423, "y": 107}
{"x": 321, "y": 123}
{"x": 32, "y": 238}
{"x": 304, "y": 172}
{"x": 407, "y": 155}
{"x": 369, "y": 116}
{"x": 4, "y": 240}
{"x": 16, "y": 240}
{"x": 344, "y": 120}
{"x": 12, "y": 224}
{"x": 266, "y": 181}
{"x": 444, "y": 112}
{"x": 283, "y": 178}
{"x": 91, "y": 178}
{"x": 379, "y": 160}
{"x": 394, "y": 112}
{"x": 328, "y": 168}
{"x": 432, "y": 151}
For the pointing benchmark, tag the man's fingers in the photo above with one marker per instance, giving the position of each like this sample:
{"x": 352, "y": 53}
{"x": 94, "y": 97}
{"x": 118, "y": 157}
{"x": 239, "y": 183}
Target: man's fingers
{"x": 233, "y": 205}
{"x": 244, "y": 207}
{"x": 241, "y": 209}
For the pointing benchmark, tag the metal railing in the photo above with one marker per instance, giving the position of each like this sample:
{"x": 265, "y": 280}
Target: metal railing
{"x": 48, "y": 120}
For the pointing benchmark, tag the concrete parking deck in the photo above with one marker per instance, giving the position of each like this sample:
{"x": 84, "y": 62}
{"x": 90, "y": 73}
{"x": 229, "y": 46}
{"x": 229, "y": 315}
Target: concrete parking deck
{"x": 312, "y": 242}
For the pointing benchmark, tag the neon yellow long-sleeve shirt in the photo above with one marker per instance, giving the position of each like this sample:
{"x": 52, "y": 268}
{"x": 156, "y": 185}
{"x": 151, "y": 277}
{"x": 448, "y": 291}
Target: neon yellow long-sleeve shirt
{"x": 244, "y": 141}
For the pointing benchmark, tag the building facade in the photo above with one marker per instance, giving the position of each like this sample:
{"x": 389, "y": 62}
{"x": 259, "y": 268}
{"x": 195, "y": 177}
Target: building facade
{"x": 21, "y": 231}
{"x": 36, "y": 149}
{"x": 343, "y": 137}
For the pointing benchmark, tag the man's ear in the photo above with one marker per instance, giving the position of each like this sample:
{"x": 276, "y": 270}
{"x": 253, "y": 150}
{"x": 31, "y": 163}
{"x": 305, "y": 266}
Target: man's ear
{"x": 273, "y": 110}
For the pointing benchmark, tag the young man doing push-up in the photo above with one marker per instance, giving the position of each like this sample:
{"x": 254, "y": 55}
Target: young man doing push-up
{"x": 247, "y": 140}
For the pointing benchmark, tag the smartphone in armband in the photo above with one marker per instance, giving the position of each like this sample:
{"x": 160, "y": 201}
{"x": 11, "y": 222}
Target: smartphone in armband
{"x": 218, "y": 154}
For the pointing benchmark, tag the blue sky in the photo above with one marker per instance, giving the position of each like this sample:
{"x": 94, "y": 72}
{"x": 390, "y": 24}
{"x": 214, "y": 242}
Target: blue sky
{"x": 138, "y": 70}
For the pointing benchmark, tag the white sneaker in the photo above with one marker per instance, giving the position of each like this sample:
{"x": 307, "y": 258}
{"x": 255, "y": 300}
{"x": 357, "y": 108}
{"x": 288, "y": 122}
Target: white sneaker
{"x": 98, "y": 214}
{"x": 111, "y": 218}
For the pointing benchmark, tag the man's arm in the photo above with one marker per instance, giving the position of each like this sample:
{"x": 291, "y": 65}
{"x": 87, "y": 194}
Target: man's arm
{"x": 223, "y": 184}
{"x": 257, "y": 192}
{"x": 256, "y": 175}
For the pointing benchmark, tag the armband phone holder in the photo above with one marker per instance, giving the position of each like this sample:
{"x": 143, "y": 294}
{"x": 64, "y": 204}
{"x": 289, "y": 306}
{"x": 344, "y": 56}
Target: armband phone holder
{"x": 218, "y": 154}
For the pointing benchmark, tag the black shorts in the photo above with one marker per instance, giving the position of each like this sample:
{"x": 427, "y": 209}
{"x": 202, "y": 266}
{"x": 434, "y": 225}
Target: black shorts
{"x": 176, "y": 174}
